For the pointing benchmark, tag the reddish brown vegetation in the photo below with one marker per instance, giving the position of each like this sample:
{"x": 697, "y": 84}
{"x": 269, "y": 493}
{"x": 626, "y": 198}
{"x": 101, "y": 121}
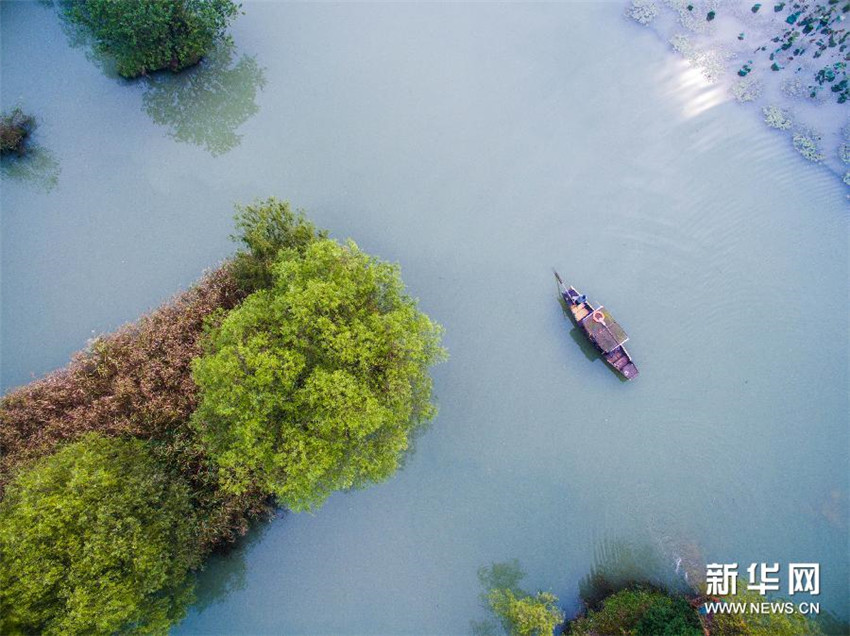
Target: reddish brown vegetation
{"x": 14, "y": 130}
{"x": 136, "y": 381}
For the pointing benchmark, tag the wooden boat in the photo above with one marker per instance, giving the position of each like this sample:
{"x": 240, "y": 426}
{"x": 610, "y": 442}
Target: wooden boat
{"x": 601, "y": 329}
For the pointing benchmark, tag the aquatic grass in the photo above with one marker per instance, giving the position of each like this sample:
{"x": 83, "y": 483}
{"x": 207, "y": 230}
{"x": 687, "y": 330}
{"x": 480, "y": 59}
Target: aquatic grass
{"x": 694, "y": 14}
{"x": 711, "y": 63}
{"x": 794, "y": 87}
{"x": 776, "y": 117}
{"x": 797, "y": 52}
{"x": 748, "y": 89}
{"x": 806, "y": 143}
{"x": 643, "y": 11}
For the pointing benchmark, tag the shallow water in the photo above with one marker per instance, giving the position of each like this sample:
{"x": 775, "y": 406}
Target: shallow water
{"x": 478, "y": 145}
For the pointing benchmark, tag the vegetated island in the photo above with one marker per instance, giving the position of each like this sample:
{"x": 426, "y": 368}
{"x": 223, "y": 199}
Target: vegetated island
{"x": 297, "y": 368}
{"x": 144, "y": 36}
{"x": 632, "y": 608}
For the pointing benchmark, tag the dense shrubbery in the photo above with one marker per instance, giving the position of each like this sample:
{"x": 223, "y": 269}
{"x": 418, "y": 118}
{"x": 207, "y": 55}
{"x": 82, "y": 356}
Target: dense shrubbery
{"x": 14, "y": 130}
{"x": 96, "y": 538}
{"x": 317, "y": 383}
{"x": 137, "y": 381}
{"x": 640, "y": 611}
{"x": 149, "y": 35}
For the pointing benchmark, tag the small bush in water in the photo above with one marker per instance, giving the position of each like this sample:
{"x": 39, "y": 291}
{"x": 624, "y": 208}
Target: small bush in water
{"x": 14, "y": 130}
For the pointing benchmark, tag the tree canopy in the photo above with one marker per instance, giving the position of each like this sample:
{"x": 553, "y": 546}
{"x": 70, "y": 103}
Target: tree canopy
{"x": 317, "y": 383}
{"x": 524, "y": 614}
{"x": 518, "y": 612}
{"x": 95, "y": 539}
{"x": 264, "y": 228}
{"x": 149, "y": 35}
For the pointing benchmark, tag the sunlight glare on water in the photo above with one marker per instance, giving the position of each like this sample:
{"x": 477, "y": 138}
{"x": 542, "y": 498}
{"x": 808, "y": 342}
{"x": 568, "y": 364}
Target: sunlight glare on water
{"x": 692, "y": 90}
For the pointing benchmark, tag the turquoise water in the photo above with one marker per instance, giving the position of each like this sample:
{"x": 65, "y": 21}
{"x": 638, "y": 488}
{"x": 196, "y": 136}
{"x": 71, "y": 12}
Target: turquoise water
{"x": 479, "y": 145}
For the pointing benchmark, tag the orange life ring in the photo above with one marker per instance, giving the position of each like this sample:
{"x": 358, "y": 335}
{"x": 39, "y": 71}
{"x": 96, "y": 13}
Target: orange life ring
{"x": 598, "y": 316}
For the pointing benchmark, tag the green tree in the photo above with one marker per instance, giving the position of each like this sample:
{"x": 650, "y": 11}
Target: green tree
{"x": 265, "y": 228}
{"x": 149, "y": 35}
{"x": 318, "y": 383}
{"x": 526, "y": 615}
{"x": 518, "y": 612}
{"x": 95, "y": 539}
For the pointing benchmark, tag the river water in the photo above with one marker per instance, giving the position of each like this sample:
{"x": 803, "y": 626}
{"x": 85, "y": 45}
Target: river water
{"x": 479, "y": 145}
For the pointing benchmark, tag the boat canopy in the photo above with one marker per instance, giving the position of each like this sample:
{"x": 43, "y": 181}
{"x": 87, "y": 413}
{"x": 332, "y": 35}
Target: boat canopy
{"x": 606, "y": 333}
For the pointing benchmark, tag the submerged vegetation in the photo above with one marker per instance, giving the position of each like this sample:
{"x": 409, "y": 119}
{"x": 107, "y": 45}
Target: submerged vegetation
{"x": 306, "y": 352}
{"x": 38, "y": 167}
{"x": 150, "y": 35}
